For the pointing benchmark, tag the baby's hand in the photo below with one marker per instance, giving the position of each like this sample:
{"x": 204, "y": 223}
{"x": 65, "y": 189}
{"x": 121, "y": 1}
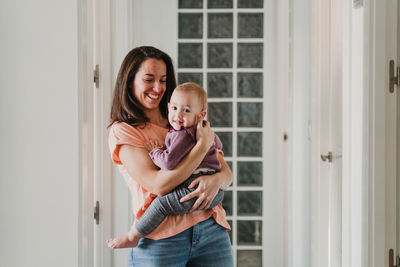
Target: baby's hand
{"x": 152, "y": 144}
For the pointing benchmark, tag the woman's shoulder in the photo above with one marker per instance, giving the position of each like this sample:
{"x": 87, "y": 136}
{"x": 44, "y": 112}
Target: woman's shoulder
{"x": 123, "y": 126}
{"x": 140, "y": 131}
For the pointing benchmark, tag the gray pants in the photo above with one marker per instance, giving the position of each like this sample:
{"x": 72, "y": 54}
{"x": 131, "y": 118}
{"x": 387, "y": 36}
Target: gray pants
{"x": 169, "y": 204}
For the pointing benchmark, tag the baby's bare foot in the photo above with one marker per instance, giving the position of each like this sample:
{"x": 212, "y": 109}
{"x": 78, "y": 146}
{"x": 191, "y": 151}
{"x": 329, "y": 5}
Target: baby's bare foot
{"x": 122, "y": 242}
{"x": 128, "y": 240}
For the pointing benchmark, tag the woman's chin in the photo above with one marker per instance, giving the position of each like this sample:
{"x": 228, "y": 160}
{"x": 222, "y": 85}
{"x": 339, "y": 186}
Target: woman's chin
{"x": 151, "y": 106}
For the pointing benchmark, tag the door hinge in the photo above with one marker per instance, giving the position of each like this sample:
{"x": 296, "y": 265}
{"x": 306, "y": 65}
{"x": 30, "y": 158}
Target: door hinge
{"x": 96, "y": 76}
{"x": 97, "y": 212}
{"x": 392, "y": 263}
{"x": 393, "y": 80}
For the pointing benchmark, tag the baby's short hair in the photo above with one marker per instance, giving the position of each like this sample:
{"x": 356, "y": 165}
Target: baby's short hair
{"x": 197, "y": 89}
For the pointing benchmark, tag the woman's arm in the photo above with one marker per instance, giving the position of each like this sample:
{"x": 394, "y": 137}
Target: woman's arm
{"x": 141, "y": 168}
{"x": 208, "y": 186}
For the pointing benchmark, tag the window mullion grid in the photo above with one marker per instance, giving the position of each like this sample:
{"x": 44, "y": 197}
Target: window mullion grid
{"x": 204, "y": 41}
{"x": 234, "y": 132}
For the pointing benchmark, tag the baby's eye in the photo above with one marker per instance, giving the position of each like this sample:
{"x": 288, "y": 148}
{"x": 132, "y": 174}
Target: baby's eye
{"x": 174, "y": 108}
{"x": 186, "y": 110}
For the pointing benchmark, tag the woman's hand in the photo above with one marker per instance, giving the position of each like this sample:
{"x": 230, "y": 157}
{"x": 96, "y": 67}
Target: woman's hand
{"x": 206, "y": 191}
{"x": 204, "y": 133}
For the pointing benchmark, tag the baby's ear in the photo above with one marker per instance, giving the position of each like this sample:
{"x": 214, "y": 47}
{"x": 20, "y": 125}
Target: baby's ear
{"x": 203, "y": 114}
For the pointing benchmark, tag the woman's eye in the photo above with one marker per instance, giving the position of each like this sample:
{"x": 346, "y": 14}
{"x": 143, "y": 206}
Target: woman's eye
{"x": 163, "y": 81}
{"x": 148, "y": 80}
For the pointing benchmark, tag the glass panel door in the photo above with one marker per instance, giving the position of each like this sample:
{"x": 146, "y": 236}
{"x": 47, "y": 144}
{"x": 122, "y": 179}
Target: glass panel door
{"x": 221, "y": 47}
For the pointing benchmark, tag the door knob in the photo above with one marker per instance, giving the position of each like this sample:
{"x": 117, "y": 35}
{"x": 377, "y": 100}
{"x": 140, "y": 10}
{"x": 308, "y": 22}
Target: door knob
{"x": 327, "y": 157}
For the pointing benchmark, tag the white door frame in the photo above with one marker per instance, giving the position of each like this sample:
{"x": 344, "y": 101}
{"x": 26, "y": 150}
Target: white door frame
{"x": 86, "y": 175}
{"x": 96, "y": 179}
{"x": 103, "y": 167}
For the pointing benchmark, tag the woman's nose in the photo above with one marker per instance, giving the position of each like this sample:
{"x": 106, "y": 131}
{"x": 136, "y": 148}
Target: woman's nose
{"x": 158, "y": 87}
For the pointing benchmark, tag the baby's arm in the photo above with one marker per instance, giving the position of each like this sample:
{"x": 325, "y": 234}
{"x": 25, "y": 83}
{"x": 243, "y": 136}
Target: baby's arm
{"x": 153, "y": 144}
{"x": 178, "y": 145}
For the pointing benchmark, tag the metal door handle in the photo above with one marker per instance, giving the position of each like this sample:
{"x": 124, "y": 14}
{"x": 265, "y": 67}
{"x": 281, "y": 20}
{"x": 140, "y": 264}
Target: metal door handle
{"x": 327, "y": 157}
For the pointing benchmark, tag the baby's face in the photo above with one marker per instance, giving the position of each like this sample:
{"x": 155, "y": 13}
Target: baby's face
{"x": 184, "y": 109}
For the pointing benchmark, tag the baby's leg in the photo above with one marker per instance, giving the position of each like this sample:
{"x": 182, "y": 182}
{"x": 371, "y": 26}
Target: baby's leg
{"x": 217, "y": 199}
{"x": 161, "y": 207}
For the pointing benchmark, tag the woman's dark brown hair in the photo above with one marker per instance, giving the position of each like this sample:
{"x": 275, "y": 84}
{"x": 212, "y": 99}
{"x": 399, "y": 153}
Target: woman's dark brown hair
{"x": 125, "y": 107}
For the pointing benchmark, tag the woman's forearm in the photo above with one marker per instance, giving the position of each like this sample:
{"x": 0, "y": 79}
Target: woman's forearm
{"x": 141, "y": 168}
{"x": 169, "y": 179}
{"x": 209, "y": 185}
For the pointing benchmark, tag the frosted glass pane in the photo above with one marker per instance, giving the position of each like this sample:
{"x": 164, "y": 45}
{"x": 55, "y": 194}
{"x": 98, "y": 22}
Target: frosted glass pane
{"x": 219, "y": 84}
{"x": 220, "y": 55}
{"x": 250, "y": 144}
{"x": 190, "y": 25}
{"x": 249, "y": 203}
{"x": 220, "y": 114}
{"x": 219, "y": 4}
{"x": 250, "y": 55}
{"x": 250, "y": 173}
{"x": 250, "y": 25}
{"x": 249, "y": 232}
{"x": 190, "y": 55}
{"x": 250, "y": 114}
{"x": 184, "y": 77}
{"x": 249, "y": 258}
{"x": 190, "y": 3}
{"x": 226, "y": 139}
{"x": 220, "y": 25}
{"x": 250, "y": 3}
{"x": 250, "y": 84}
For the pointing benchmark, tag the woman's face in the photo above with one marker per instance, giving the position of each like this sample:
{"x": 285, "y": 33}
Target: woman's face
{"x": 150, "y": 83}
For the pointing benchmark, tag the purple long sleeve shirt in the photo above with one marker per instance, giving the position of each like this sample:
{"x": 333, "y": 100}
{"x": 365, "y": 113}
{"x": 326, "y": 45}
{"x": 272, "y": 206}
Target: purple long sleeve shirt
{"x": 178, "y": 144}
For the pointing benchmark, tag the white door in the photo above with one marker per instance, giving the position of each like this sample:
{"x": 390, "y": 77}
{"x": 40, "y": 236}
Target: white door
{"x": 327, "y": 134}
{"x": 392, "y": 134}
{"x": 397, "y": 44}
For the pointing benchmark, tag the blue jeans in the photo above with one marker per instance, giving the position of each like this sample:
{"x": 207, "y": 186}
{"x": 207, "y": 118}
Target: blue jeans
{"x": 205, "y": 244}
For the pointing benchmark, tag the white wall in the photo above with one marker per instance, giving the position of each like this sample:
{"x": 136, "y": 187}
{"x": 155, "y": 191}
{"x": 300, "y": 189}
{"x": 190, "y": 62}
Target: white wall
{"x": 39, "y": 160}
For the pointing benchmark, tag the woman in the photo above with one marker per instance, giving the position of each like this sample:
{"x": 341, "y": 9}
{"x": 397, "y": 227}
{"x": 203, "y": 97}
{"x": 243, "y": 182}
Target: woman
{"x": 139, "y": 114}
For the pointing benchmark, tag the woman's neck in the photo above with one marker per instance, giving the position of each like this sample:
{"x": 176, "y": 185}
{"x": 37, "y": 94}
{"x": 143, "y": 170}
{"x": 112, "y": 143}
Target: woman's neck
{"x": 155, "y": 117}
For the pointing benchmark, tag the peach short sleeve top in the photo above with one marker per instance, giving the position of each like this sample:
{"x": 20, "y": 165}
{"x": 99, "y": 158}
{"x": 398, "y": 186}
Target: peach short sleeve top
{"x": 124, "y": 134}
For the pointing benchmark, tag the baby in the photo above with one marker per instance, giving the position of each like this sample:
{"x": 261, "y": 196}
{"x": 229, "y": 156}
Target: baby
{"x": 187, "y": 106}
